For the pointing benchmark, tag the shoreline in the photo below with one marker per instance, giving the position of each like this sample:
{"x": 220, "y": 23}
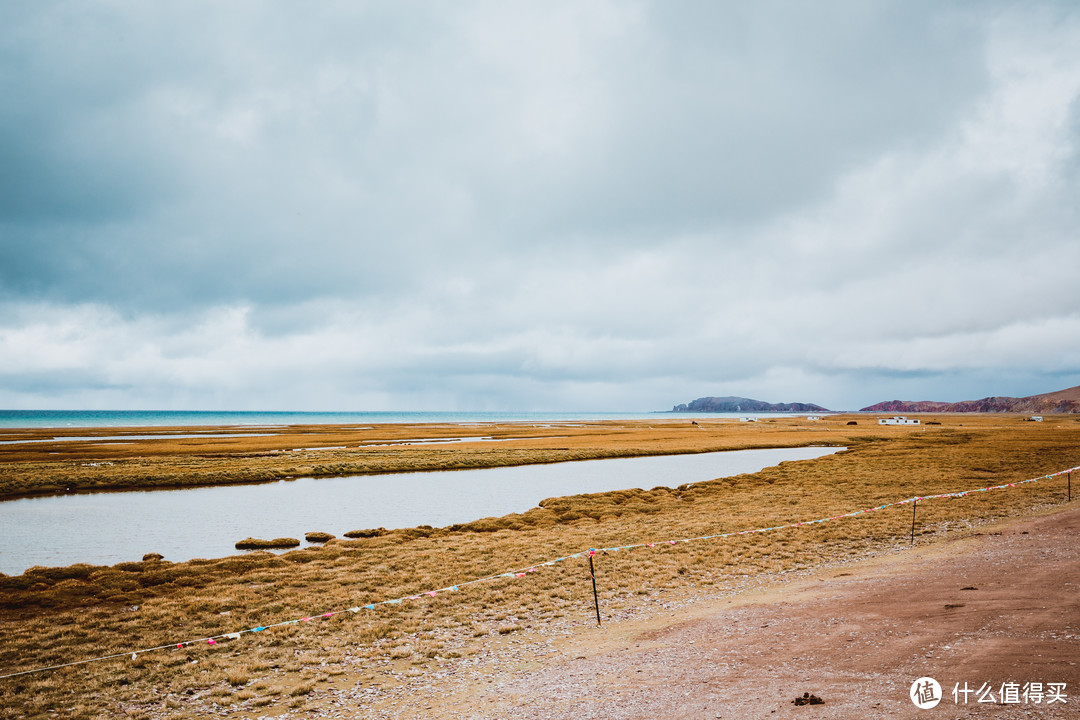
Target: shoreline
{"x": 100, "y": 419}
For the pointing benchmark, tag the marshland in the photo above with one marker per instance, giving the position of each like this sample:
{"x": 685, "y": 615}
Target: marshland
{"x": 57, "y": 616}
{"x": 205, "y": 522}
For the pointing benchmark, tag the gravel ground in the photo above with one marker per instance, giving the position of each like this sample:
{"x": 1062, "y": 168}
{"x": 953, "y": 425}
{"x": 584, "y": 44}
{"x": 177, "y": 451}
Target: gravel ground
{"x": 992, "y": 608}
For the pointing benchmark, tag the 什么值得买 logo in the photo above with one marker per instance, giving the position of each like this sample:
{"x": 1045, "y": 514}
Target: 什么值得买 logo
{"x": 926, "y": 693}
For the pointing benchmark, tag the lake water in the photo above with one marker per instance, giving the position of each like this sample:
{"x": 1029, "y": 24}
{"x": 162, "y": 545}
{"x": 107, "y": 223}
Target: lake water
{"x": 189, "y": 418}
{"x": 107, "y": 528}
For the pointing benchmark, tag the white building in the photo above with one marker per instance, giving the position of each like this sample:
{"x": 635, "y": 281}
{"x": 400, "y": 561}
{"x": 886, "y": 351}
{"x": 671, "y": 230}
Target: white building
{"x": 1036, "y": 418}
{"x": 897, "y": 420}
{"x": 813, "y": 417}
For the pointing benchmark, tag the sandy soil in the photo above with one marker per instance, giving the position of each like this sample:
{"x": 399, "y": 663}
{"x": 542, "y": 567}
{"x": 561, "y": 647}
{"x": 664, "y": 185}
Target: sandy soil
{"x": 999, "y": 606}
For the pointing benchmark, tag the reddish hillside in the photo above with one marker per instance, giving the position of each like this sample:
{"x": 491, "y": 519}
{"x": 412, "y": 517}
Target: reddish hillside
{"x": 1062, "y": 401}
{"x": 1070, "y": 395}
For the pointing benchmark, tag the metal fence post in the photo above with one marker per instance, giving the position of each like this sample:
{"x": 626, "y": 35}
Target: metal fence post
{"x": 913, "y": 506}
{"x": 596, "y": 599}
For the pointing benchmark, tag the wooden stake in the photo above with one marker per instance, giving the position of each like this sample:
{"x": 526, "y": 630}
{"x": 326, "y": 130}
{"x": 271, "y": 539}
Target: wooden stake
{"x": 596, "y": 599}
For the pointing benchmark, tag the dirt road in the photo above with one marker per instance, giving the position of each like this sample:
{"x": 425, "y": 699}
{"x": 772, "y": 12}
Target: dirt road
{"x": 991, "y": 609}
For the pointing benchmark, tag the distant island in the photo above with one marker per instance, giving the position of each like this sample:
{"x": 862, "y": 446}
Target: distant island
{"x": 1062, "y": 401}
{"x": 741, "y": 404}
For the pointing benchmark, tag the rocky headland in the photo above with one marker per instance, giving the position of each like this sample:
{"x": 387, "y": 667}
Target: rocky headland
{"x": 741, "y": 404}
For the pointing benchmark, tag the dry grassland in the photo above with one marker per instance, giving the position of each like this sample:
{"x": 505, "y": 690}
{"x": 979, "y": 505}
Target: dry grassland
{"x": 54, "y": 616}
{"x": 51, "y": 467}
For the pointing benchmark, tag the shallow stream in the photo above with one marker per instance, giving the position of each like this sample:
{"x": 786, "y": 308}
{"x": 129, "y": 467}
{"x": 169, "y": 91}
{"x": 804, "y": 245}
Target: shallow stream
{"x": 112, "y": 527}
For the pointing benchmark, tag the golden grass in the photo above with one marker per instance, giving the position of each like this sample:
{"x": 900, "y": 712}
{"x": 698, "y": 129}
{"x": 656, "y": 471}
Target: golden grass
{"x": 56, "y": 615}
{"x": 261, "y": 544}
{"x": 323, "y": 451}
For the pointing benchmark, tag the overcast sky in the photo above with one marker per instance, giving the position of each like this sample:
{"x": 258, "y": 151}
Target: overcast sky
{"x": 536, "y": 205}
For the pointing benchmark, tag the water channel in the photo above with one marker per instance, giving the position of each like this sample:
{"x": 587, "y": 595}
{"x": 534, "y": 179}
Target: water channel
{"x": 107, "y": 528}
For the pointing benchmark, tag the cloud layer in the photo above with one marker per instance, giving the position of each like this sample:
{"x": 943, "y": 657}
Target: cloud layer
{"x": 536, "y": 206}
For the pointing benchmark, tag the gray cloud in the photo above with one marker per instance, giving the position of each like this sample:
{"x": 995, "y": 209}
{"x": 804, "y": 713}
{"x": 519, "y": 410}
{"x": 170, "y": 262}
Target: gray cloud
{"x": 536, "y": 205}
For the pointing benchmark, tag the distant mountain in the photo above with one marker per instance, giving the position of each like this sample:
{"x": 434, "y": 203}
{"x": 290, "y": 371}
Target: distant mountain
{"x": 1062, "y": 401}
{"x": 741, "y": 404}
